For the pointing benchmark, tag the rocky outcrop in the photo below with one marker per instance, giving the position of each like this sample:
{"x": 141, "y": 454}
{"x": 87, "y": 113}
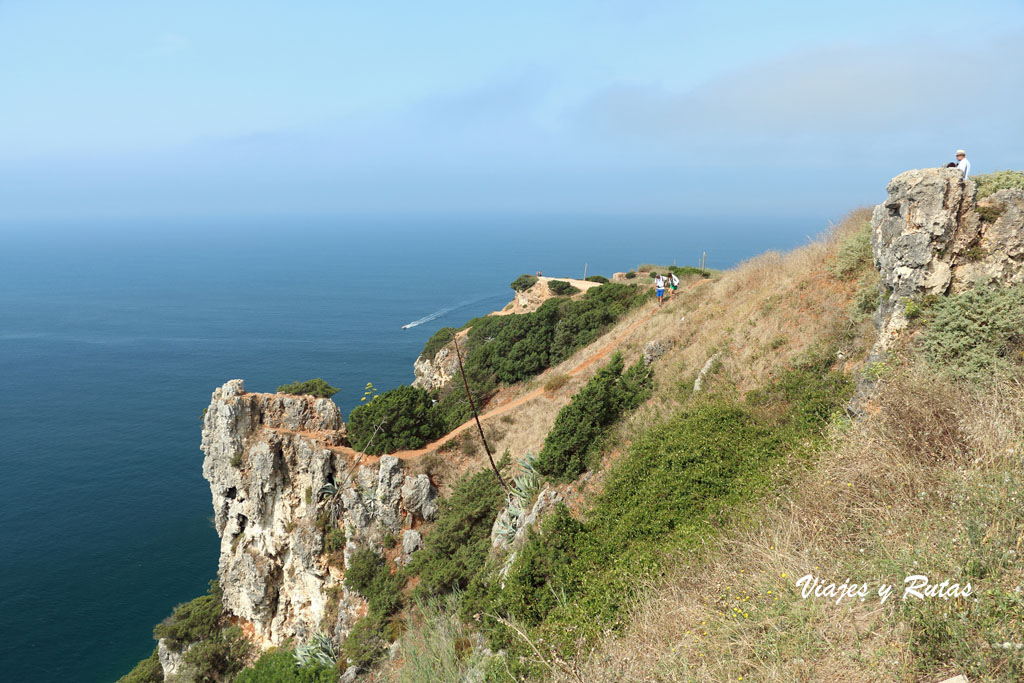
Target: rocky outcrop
{"x": 280, "y": 484}
{"x": 932, "y": 236}
{"x": 434, "y": 373}
{"x": 655, "y": 349}
{"x": 172, "y": 663}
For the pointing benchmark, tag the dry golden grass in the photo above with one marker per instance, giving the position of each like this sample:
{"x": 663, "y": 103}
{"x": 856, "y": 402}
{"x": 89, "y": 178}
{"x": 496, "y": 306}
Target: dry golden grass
{"x": 742, "y": 312}
{"x": 891, "y": 495}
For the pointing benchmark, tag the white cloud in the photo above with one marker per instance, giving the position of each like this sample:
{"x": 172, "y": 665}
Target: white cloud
{"x": 852, "y": 90}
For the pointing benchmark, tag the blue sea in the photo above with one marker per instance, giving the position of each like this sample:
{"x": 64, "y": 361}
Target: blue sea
{"x": 114, "y": 334}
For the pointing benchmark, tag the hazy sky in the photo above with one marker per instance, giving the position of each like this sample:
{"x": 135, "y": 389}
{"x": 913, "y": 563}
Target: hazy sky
{"x": 152, "y": 109}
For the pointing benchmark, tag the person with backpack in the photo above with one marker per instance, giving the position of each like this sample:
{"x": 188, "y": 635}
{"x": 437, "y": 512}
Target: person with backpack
{"x": 659, "y": 287}
{"x": 674, "y": 284}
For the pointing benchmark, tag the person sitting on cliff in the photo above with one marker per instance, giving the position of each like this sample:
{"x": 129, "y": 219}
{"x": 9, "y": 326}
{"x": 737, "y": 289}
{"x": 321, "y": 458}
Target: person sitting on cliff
{"x": 962, "y": 163}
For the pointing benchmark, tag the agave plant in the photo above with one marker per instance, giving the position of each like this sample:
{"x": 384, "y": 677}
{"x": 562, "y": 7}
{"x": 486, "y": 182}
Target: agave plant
{"x": 524, "y": 486}
{"x": 319, "y": 650}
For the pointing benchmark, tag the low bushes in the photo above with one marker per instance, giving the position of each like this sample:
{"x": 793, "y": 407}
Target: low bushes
{"x": 524, "y": 282}
{"x": 146, "y": 671}
{"x": 368, "y": 575}
{"x": 675, "y": 485}
{"x": 437, "y": 342}
{"x": 990, "y": 183}
{"x": 598, "y": 278}
{"x": 280, "y": 666}
{"x": 212, "y": 652}
{"x": 315, "y": 387}
{"x": 192, "y": 621}
{"x": 577, "y": 431}
{"x": 977, "y": 333}
{"x": 854, "y": 252}
{"x": 456, "y": 549}
{"x": 402, "y": 418}
{"x": 562, "y": 288}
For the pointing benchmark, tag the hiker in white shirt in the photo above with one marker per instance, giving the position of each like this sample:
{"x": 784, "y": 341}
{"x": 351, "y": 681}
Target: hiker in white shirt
{"x": 962, "y": 163}
{"x": 659, "y": 287}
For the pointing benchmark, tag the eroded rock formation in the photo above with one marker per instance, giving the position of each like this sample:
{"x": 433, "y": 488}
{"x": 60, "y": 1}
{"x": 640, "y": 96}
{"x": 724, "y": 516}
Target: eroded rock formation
{"x": 932, "y": 236}
{"x": 280, "y": 483}
{"x": 434, "y": 373}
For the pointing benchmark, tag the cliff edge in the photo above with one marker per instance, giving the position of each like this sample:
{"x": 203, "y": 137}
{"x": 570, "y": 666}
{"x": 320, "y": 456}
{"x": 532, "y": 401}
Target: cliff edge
{"x": 290, "y": 509}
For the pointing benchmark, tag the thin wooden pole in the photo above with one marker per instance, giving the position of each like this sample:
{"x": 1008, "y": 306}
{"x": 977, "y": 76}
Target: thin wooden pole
{"x": 462, "y": 371}
{"x": 585, "y": 270}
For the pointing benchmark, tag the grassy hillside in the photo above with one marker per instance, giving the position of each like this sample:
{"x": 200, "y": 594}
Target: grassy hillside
{"x": 683, "y": 470}
{"x": 685, "y": 518}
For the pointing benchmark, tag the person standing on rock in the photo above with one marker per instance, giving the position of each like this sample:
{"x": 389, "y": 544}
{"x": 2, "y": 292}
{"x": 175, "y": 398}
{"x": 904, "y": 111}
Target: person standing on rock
{"x": 962, "y": 163}
{"x": 659, "y": 287}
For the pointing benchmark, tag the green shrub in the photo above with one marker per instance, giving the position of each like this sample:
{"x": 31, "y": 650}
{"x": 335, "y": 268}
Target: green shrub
{"x": 865, "y": 299}
{"x": 279, "y": 666}
{"x": 196, "y": 620}
{"x": 437, "y": 341}
{"x": 630, "y": 275}
{"x": 575, "y": 436}
{"x": 365, "y": 643}
{"x": 405, "y": 417}
{"x": 598, "y": 278}
{"x": 513, "y": 348}
{"x": 689, "y": 270}
{"x": 335, "y": 540}
{"x": 368, "y": 575}
{"x": 913, "y": 310}
{"x": 524, "y": 282}
{"x": 315, "y": 387}
{"x": 562, "y": 288}
{"x": 977, "y": 333}
{"x": 146, "y": 671}
{"x": 854, "y": 252}
{"x": 455, "y": 550}
{"x": 676, "y": 485}
{"x": 584, "y": 320}
{"x": 219, "y": 657}
{"x": 990, "y": 213}
{"x": 556, "y": 382}
{"x": 991, "y": 183}
{"x": 541, "y": 572}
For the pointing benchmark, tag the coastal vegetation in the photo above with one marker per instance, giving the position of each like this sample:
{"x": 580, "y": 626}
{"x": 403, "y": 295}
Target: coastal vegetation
{"x": 562, "y": 288}
{"x": 524, "y": 282}
{"x": 575, "y": 438}
{"x": 311, "y": 387}
{"x": 990, "y": 183}
{"x": 402, "y": 418}
{"x": 660, "y": 529}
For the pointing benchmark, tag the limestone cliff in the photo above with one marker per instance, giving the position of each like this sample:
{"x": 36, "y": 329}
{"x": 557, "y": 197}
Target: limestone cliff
{"x": 434, "y": 373}
{"x": 281, "y": 482}
{"x": 932, "y": 236}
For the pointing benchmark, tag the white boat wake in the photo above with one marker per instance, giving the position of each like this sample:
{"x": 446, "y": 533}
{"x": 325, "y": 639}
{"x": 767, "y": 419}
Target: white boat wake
{"x": 437, "y": 314}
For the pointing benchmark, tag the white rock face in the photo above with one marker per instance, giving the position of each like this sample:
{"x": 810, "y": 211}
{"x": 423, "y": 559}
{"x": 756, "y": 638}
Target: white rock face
{"x": 434, "y": 373}
{"x": 173, "y": 663}
{"x": 928, "y": 237}
{"x": 267, "y": 458}
{"x": 932, "y": 236}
